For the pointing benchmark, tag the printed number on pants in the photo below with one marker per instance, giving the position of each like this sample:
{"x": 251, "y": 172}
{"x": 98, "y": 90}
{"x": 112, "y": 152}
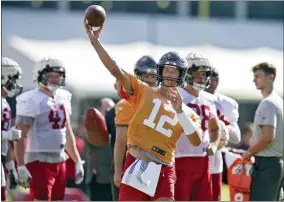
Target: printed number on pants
{"x": 57, "y": 119}
{"x": 203, "y": 111}
{"x": 164, "y": 119}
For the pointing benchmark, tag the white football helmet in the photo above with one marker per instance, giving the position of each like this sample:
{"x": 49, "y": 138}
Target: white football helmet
{"x": 197, "y": 62}
{"x": 10, "y": 73}
{"x": 49, "y": 64}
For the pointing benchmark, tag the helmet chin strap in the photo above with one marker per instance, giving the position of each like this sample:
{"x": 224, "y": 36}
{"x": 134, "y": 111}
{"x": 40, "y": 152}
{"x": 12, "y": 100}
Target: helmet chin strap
{"x": 198, "y": 87}
{"x": 50, "y": 87}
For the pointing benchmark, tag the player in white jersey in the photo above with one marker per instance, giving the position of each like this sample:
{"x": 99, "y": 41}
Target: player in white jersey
{"x": 11, "y": 72}
{"x": 43, "y": 115}
{"x": 192, "y": 162}
{"x": 227, "y": 111}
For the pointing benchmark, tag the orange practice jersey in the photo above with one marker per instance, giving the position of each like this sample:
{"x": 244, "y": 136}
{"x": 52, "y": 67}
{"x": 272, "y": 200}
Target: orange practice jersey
{"x": 124, "y": 113}
{"x": 154, "y": 127}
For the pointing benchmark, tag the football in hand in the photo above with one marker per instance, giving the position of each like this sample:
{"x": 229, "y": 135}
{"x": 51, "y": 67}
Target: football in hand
{"x": 95, "y": 125}
{"x": 95, "y": 16}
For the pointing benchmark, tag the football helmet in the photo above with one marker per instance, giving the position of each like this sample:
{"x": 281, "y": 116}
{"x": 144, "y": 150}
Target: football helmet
{"x": 172, "y": 59}
{"x": 196, "y": 62}
{"x": 11, "y": 72}
{"x": 145, "y": 65}
{"x": 45, "y": 65}
{"x": 215, "y": 73}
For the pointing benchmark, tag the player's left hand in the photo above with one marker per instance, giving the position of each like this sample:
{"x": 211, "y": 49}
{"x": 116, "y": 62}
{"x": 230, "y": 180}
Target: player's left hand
{"x": 12, "y": 180}
{"x": 79, "y": 172}
{"x": 176, "y": 100}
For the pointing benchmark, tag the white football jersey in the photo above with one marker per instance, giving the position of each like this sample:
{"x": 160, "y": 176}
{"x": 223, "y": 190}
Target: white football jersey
{"x": 227, "y": 108}
{"x": 5, "y": 124}
{"x": 203, "y": 105}
{"x": 48, "y": 132}
{"x": 227, "y": 111}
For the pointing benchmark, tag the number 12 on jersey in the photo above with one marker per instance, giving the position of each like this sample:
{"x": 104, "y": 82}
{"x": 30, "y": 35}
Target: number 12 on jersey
{"x": 164, "y": 119}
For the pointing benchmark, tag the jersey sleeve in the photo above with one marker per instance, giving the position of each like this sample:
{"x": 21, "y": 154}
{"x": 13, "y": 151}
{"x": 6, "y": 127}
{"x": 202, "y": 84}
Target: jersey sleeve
{"x": 137, "y": 87}
{"x": 123, "y": 114}
{"x": 268, "y": 114}
{"x": 26, "y": 106}
{"x": 232, "y": 111}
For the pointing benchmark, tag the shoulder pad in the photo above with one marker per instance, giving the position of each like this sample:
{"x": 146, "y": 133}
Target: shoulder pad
{"x": 63, "y": 95}
{"x": 26, "y": 96}
{"x": 208, "y": 96}
{"x": 226, "y": 101}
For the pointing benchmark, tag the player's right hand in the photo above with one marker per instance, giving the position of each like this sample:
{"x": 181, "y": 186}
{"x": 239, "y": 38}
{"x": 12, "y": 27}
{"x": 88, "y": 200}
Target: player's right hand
{"x": 92, "y": 34}
{"x": 14, "y": 134}
{"x": 176, "y": 100}
{"x": 24, "y": 176}
{"x": 117, "y": 178}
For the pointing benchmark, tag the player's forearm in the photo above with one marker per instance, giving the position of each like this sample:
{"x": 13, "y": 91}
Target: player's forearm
{"x": 261, "y": 144}
{"x": 10, "y": 154}
{"x": 190, "y": 128}
{"x": 265, "y": 139}
{"x": 235, "y": 133}
{"x": 119, "y": 154}
{"x": 10, "y": 165}
{"x": 71, "y": 147}
{"x": 120, "y": 147}
{"x": 195, "y": 138}
{"x": 19, "y": 147}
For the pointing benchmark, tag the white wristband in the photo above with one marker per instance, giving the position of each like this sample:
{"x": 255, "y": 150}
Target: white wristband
{"x": 10, "y": 165}
{"x": 187, "y": 124}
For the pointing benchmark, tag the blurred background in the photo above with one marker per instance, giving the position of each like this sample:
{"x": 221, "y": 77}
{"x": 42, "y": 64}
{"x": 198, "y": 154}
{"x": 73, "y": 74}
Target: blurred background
{"x": 234, "y": 35}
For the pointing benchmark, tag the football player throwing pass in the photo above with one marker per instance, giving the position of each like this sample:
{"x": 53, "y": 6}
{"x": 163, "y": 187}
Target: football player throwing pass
{"x": 155, "y": 127}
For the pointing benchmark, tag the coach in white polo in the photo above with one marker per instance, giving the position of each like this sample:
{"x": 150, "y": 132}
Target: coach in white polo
{"x": 267, "y": 139}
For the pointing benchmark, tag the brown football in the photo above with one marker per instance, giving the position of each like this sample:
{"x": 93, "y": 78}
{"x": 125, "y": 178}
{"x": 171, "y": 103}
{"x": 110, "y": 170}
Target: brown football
{"x": 95, "y": 125}
{"x": 95, "y": 16}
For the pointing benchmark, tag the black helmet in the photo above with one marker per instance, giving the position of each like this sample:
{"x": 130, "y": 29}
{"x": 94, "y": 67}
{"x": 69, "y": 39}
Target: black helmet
{"x": 196, "y": 62}
{"x": 172, "y": 59}
{"x": 145, "y": 65}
